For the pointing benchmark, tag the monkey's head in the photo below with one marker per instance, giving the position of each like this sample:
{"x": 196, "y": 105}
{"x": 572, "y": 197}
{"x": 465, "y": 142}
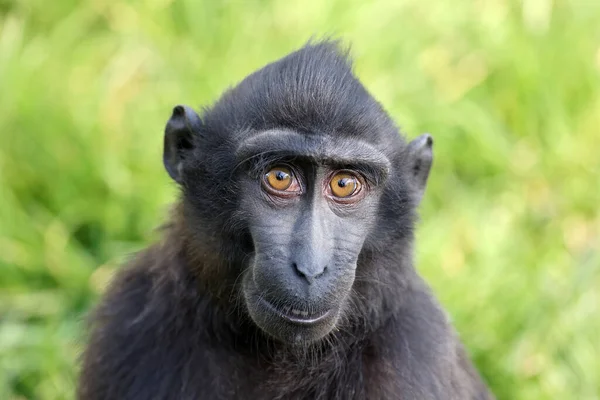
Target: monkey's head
{"x": 301, "y": 179}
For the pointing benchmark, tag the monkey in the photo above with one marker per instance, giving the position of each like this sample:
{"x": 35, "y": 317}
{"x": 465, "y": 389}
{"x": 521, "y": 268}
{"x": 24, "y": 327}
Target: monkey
{"x": 285, "y": 270}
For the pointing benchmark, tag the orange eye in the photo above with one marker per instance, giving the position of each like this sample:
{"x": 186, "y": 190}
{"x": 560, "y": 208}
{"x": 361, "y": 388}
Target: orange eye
{"x": 344, "y": 185}
{"x": 279, "y": 178}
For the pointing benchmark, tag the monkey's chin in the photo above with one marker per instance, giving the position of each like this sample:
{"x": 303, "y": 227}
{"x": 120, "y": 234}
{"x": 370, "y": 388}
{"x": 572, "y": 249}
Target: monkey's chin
{"x": 288, "y": 325}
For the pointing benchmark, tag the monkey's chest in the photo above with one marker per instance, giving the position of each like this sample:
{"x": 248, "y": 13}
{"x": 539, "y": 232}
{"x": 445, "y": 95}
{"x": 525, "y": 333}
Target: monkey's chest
{"x": 299, "y": 380}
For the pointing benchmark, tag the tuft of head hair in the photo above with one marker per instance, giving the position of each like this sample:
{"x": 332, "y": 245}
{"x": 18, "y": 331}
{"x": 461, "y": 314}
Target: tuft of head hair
{"x": 311, "y": 90}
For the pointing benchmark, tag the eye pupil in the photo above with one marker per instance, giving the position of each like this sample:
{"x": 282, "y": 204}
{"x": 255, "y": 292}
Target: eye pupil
{"x": 280, "y": 175}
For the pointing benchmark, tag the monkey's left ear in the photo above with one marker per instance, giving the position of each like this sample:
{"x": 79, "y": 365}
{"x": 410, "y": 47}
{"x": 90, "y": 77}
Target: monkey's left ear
{"x": 420, "y": 158}
{"x": 179, "y": 139}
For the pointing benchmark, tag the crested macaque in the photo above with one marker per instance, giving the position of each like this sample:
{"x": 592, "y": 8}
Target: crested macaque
{"x": 286, "y": 268}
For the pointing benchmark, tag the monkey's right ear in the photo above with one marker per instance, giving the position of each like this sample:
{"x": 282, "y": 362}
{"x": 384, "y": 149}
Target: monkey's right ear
{"x": 179, "y": 139}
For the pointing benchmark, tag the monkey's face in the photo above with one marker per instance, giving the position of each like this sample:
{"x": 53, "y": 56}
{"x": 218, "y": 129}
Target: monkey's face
{"x": 308, "y": 218}
{"x": 286, "y": 172}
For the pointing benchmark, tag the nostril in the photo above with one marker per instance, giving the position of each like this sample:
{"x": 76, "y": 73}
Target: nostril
{"x": 320, "y": 274}
{"x": 297, "y": 270}
{"x": 309, "y": 274}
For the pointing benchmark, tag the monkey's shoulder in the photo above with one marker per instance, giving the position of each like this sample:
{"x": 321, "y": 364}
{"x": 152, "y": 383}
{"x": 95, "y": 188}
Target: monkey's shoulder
{"x": 144, "y": 293}
{"x": 420, "y": 355}
{"x": 147, "y": 338}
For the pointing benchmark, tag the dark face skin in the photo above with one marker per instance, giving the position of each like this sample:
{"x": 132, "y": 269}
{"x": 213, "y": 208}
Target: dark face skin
{"x": 308, "y": 204}
{"x": 308, "y": 216}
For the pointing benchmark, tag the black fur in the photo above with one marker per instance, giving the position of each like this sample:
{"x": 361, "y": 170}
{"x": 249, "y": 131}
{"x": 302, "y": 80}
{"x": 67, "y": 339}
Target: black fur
{"x": 175, "y": 323}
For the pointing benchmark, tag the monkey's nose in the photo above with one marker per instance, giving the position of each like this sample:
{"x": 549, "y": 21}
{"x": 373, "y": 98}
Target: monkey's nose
{"x": 309, "y": 272}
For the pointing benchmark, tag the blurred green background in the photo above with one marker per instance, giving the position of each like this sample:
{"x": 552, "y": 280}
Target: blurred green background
{"x": 510, "y": 227}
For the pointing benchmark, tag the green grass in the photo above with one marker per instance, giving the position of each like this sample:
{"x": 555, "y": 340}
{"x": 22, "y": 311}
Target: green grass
{"x": 510, "y": 227}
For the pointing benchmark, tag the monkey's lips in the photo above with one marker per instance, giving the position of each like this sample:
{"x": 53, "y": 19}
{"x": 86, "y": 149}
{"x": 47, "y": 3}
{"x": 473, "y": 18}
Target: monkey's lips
{"x": 293, "y": 325}
{"x": 296, "y": 316}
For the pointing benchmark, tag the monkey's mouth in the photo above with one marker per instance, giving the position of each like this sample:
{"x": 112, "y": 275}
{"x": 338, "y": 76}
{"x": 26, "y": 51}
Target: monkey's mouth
{"x": 296, "y": 316}
{"x": 288, "y": 319}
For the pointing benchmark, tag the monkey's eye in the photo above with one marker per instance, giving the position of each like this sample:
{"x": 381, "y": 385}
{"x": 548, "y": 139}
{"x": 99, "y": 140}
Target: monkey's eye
{"x": 280, "y": 179}
{"x": 344, "y": 185}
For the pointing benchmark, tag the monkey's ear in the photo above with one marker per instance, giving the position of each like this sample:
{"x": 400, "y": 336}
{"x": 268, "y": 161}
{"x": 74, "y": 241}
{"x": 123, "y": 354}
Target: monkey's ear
{"x": 420, "y": 158}
{"x": 179, "y": 139}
